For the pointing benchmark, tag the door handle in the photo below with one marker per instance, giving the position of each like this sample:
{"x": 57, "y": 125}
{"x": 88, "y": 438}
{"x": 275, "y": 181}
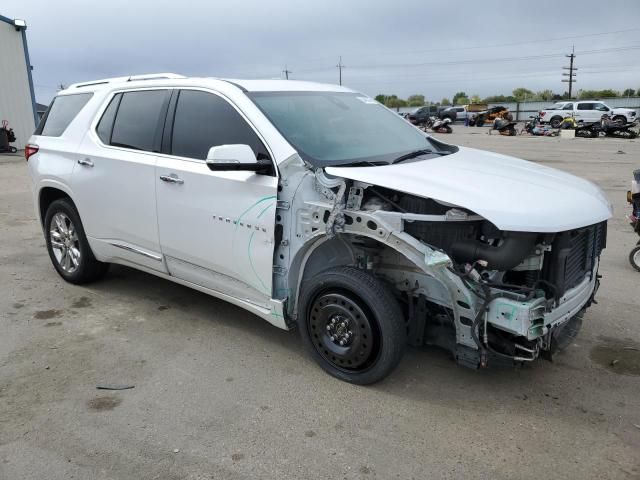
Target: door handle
{"x": 86, "y": 162}
{"x": 173, "y": 178}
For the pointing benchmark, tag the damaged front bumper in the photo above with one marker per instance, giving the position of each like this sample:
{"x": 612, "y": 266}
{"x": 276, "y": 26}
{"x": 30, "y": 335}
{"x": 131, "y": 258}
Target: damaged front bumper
{"x": 535, "y": 318}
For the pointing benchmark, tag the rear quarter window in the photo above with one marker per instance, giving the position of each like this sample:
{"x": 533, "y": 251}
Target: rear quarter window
{"x": 61, "y": 113}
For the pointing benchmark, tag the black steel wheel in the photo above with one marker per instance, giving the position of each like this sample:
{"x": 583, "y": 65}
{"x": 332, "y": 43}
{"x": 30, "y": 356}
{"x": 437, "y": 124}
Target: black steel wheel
{"x": 344, "y": 334}
{"x": 352, "y": 325}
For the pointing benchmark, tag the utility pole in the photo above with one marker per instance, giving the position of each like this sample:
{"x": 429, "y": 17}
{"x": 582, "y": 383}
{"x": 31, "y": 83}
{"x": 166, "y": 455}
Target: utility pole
{"x": 571, "y": 73}
{"x": 340, "y": 67}
{"x": 286, "y": 72}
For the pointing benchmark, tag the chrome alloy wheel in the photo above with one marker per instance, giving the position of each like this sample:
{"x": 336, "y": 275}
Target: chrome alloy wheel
{"x": 64, "y": 242}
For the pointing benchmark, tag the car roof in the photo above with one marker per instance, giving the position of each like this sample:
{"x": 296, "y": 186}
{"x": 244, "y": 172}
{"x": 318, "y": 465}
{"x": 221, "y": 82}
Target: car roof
{"x": 174, "y": 80}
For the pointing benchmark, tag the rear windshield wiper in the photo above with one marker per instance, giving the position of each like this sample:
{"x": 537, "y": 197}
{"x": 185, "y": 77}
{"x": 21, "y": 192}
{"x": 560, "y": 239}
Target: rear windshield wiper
{"x": 416, "y": 153}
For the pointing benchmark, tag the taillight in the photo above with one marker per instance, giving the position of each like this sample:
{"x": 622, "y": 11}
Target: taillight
{"x": 30, "y": 149}
{"x": 542, "y": 114}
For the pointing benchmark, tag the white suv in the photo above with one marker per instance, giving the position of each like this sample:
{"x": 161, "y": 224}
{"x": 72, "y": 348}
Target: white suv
{"x": 314, "y": 206}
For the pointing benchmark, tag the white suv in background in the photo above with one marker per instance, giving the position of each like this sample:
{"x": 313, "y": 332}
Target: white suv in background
{"x": 587, "y": 111}
{"x": 315, "y": 206}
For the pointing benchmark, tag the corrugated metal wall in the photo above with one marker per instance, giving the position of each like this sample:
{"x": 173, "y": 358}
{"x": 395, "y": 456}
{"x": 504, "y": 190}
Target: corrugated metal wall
{"x": 15, "y": 95}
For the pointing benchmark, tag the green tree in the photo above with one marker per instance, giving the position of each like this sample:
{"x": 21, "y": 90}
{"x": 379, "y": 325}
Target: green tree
{"x": 545, "y": 95}
{"x": 521, "y": 94}
{"x": 445, "y": 101}
{"x": 392, "y": 101}
{"x": 416, "y": 100}
{"x": 457, "y": 96}
{"x": 462, "y": 101}
{"x": 629, "y": 92}
{"x": 475, "y": 99}
{"x": 608, "y": 93}
{"x": 495, "y": 99}
{"x": 381, "y": 98}
{"x": 594, "y": 94}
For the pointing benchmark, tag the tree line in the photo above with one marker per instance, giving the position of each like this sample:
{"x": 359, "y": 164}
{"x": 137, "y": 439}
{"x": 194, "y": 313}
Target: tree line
{"x": 520, "y": 94}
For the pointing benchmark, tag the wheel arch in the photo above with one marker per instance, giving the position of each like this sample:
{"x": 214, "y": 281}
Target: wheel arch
{"x": 49, "y": 194}
{"x": 326, "y": 252}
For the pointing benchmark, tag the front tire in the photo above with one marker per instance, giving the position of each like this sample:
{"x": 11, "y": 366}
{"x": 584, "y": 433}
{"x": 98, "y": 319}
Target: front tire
{"x": 352, "y": 325}
{"x": 67, "y": 245}
{"x": 555, "y": 122}
{"x": 619, "y": 119}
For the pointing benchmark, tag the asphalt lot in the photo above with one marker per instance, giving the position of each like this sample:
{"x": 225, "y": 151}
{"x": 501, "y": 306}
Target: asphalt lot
{"x": 221, "y": 394}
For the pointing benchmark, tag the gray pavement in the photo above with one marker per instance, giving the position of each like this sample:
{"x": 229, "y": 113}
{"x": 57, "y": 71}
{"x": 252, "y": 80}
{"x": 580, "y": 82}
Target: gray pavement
{"x": 221, "y": 394}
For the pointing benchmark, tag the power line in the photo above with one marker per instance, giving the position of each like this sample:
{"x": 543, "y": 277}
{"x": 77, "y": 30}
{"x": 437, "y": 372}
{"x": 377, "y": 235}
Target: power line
{"x": 494, "y": 60}
{"x": 475, "y": 47}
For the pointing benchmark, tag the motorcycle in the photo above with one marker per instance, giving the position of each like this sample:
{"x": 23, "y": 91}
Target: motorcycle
{"x": 533, "y": 127}
{"x": 438, "y": 125}
{"x": 633, "y": 197}
{"x": 6, "y": 137}
{"x": 616, "y": 129}
{"x": 504, "y": 127}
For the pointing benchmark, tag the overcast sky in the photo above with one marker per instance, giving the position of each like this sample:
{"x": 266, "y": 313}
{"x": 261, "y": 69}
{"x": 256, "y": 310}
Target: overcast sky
{"x": 404, "y": 47}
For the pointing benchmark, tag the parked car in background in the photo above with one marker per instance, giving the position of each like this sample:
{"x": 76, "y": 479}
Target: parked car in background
{"x": 586, "y": 111}
{"x": 316, "y": 208}
{"x": 420, "y": 115}
{"x": 454, "y": 113}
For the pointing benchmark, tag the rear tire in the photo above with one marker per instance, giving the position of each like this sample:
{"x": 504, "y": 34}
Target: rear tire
{"x": 348, "y": 305}
{"x": 67, "y": 245}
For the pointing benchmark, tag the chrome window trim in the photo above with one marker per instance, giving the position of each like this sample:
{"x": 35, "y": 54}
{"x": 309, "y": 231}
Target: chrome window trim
{"x": 100, "y": 112}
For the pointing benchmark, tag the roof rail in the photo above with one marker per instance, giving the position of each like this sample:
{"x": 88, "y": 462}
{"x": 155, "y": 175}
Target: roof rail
{"x": 132, "y": 78}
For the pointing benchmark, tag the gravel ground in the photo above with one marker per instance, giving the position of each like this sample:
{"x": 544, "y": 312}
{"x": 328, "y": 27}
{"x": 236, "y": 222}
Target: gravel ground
{"x": 221, "y": 394}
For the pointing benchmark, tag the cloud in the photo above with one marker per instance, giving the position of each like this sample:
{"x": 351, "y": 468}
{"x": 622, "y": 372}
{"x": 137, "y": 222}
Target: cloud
{"x": 407, "y": 47}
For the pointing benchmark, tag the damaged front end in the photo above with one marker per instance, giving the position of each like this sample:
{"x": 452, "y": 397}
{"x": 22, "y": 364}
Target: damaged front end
{"x": 485, "y": 294}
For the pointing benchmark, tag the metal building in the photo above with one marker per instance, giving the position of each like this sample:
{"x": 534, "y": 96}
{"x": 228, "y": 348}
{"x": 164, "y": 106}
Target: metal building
{"x": 17, "y": 99}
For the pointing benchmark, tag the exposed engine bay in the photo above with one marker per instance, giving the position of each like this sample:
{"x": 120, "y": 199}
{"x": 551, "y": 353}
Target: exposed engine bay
{"x": 484, "y": 294}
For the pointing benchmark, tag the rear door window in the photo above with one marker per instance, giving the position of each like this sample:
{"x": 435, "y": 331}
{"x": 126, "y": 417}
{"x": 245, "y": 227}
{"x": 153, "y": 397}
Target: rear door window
{"x": 61, "y": 113}
{"x": 204, "y": 120}
{"x": 138, "y": 120}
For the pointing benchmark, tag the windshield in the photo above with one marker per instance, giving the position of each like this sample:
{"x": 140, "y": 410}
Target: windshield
{"x": 555, "y": 106}
{"x": 337, "y": 128}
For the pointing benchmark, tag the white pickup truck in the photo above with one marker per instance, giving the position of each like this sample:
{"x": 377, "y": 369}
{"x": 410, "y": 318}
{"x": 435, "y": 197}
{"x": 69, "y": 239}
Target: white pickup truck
{"x": 587, "y": 111}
